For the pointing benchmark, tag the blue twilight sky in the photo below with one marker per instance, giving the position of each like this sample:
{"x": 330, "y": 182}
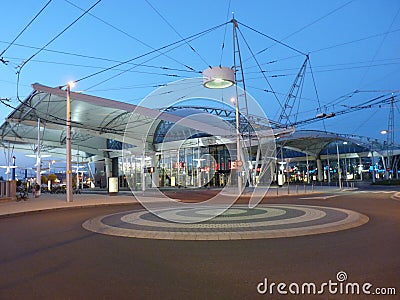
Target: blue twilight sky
{"x": 353, "y": 47}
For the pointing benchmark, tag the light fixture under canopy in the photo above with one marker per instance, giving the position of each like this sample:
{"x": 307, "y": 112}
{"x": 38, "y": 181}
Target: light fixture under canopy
{"x": 218, "y": 77}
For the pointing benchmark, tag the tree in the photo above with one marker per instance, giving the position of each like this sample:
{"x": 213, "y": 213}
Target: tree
{"x": 52, "y": 177}
{"x": 43, "y": 179}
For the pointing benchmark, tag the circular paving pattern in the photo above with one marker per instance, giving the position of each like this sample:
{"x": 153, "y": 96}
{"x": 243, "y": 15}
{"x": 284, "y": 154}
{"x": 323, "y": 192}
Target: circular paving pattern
{"x": 238, "y": 222}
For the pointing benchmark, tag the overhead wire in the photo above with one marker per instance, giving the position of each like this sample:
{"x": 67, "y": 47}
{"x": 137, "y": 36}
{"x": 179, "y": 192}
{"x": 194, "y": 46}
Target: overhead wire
{"x": 273, "y": 61}
{"x": 265, "y": 77}
{"x": 129, "y": 35}
{"x": 24, "y": 103}
{"x": 58, "y": 35}
{"x": 273, "y": 39}
{"x": 341, "y": 44}
{"x": 274, "y": 76}
{"x": 365, "y": 121}
{"x": 23, "y": 30}
{"x": 306, "y": 26}
{"x": 355, "y": 41}
{"x": 90, "y": 57}
{"x": 130, "y": 69}
{"x": 379, "y": 47}
{"x": 337, "y": 65}
{"x": 173, "y": 28}
{"x": 150, "y": 52}
{"x": 223, "y": 40}
{"x": 315, "y": 88}
{"x": 349, "y": 109}
{"x": 136, "y": 65}
{"x": 317, "y": 20}
{"x": 47, "y": 44}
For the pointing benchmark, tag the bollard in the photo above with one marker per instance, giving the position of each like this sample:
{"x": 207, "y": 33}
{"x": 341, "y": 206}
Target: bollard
{"x": 297, "y": 188}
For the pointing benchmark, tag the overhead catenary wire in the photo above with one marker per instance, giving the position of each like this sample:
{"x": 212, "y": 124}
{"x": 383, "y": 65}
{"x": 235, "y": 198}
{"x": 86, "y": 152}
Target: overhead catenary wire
{"x": 265, "y": 77}
{"x": 365, "y": 121}
{"x": 150, "y": 52}
{"x": 349, "y": 109}
{"x": 173, "y": 28}
{"x": 188, "y": 70}
{"x": 136, "y": 65}
{"x": 273, "y": 39}
{"x": 279, "y": 74}
{"x": 355, "y": 41}
{"x": 315, "y": 88}
{"x": 129, "y": 35}
{"x": 379, "y": 47}
{"x": 25, "y": 28}
{"x": 57, "y": 36}
{"x": 308, "y": 25}
{"x": 131, "y": 69}
{"x": 331, "y": 67}
{"x": 223, "y": 39}
{"x": 318, "y": 19}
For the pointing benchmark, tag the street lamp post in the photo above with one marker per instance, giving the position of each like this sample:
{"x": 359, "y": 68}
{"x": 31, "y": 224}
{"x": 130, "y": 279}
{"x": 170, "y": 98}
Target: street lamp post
{"x": 68, "y": 145}
{"x": 238, "y": 147}
{"x": 389, "y": 151}
{"x": 38, "y": 162}
{"x": 220, "y": 78}
{"x": 339, "y": 170}
{"x": 373, "y": 162}
{"x": 13, "y": 169}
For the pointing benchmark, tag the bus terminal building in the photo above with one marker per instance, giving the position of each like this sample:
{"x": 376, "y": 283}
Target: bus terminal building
{"x": 188, "y": 137}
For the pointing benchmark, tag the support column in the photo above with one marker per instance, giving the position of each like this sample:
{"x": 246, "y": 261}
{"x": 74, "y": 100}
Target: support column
{"x": 114, "y": 167}
{"x": 329, "y": 170}
{"x": 142, "y": 167}
{"x": 39, "y": 166}
{"x": 320, "y": 170}
{"x": 273, "y": 171}
{"x": 155, "y": 176}
{"x": 107, "y": 164}
{"x": 308, "y": 169}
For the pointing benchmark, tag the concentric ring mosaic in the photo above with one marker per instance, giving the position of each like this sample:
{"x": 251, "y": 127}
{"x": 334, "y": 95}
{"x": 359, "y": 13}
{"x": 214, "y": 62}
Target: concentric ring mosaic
{"x": 238, "y": 222}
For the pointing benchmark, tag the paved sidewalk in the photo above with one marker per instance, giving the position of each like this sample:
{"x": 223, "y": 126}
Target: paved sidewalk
{"x": 59, "y": 201}
{"x": 96, "y": 198}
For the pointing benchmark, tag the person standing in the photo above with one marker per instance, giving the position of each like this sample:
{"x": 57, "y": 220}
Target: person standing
{"x": 37, "y": 189}
{"x": 34, "y": 190}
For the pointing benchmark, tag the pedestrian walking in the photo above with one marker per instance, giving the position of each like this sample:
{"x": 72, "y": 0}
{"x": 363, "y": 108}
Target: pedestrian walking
{"x": 34, "y": 191}
{"x": 37, "y": 189}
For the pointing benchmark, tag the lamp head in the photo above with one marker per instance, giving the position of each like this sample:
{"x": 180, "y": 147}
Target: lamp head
{"x": 218, "y": 77}
{"x": 71, "y": 84}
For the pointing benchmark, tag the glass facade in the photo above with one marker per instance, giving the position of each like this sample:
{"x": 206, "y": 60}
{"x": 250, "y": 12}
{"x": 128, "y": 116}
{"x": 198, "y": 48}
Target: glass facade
{"x": 194, "y": 167}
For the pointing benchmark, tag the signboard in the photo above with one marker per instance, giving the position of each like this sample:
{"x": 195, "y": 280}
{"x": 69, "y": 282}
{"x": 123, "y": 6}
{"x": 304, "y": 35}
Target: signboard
{"x": 113, "y": 187}
{"x": 236, "y": 164}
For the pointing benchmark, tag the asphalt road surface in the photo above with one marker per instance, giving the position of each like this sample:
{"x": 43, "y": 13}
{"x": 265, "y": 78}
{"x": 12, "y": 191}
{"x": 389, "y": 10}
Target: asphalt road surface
{"x": 49, "y": 255}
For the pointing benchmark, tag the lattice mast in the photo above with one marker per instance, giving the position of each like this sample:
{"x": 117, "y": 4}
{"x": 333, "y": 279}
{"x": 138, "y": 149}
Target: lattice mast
{"x": 239, "y": 79}
{"x": 390, "y": 138}
{"x": 286, "y": 117}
